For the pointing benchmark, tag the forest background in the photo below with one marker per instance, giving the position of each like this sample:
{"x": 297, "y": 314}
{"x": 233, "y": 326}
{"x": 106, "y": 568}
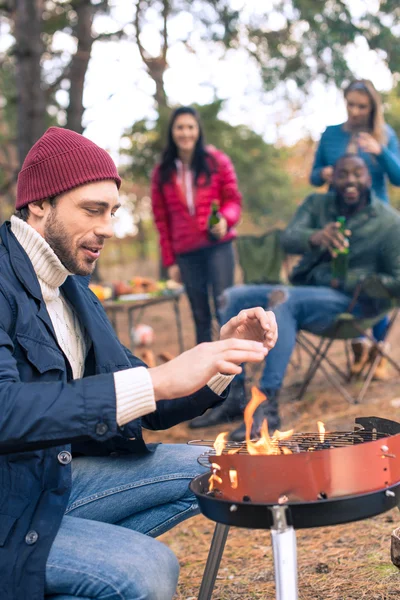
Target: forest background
{"x": 46, "y": 49}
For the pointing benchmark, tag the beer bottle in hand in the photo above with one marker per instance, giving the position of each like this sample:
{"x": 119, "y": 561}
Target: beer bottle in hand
{"x": 213, "y": 219}
{"x": 340, "y": 261}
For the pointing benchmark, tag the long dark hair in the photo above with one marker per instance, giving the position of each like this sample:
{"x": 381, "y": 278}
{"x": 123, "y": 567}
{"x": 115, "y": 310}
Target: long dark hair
{"x": 203, "y": 163}
{"x": 376, "y": 118}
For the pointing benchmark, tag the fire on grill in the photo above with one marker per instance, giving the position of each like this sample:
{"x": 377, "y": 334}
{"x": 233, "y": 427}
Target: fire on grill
{"x": 291, "y": 481}
{"x": 290, "y": 467}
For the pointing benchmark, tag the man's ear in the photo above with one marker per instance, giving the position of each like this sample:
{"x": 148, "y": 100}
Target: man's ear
{"x": 38, "y": 208}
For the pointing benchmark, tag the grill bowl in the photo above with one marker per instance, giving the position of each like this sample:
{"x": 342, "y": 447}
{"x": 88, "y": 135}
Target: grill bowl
{"x": 300, "y": 515}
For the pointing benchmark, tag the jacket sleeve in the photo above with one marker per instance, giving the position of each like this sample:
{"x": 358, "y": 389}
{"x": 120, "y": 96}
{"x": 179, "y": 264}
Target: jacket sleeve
{"x": 388, "y": 279}
{"x": 41, "y": 414}
{"x": 231, "y": 198}
{"x": 295, "y": 238}
{"x": 172, "y": 412}
{"x": 319, "y": 163}
{"x": 389, "y": 159}
{"x": 161, "y": 219}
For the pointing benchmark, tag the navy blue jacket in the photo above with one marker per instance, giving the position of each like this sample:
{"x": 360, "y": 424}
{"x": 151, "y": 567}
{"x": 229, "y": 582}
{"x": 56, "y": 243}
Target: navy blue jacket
{"x": 43, "y": 411}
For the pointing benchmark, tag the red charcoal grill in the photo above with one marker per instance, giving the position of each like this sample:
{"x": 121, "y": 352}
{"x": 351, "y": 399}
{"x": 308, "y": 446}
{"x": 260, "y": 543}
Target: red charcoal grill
{"x": 351, "y": 475}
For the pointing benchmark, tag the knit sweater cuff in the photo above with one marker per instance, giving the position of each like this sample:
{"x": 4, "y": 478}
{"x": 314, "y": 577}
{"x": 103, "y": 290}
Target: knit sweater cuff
{"x": 219, "y": 383}
{"x": 134, "y": 394}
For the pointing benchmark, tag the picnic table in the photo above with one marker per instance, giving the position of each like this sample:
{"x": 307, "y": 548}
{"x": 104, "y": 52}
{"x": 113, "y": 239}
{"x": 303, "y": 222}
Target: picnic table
{"x": 134, "y": 305}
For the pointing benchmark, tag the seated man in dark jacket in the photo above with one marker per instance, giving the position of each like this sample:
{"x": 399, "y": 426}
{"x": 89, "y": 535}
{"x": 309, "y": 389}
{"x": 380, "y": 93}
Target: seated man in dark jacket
{"x": 317, "y": 298}
{"x": 83, "y": 528}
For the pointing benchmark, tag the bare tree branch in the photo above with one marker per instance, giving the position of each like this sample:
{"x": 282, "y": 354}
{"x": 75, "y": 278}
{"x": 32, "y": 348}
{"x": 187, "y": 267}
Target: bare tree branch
{"x": 118, "y": 35}
{"x": 137, "y": 30}
{"x": 79, "y": 64}
{"x": 63, "y": 75}
{"x": 157, "y": 65}
{"x": 165, "y": 14}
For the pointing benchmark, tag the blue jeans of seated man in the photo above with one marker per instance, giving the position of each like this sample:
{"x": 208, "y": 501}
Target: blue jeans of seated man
{"x": 105, "y": 549}
{"x": 310, "y": 308}
{"x": 211, "y": 267}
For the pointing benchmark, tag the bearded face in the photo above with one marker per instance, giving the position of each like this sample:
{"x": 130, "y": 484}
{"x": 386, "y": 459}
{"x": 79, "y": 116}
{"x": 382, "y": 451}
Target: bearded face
{"x": 78, "y": 222}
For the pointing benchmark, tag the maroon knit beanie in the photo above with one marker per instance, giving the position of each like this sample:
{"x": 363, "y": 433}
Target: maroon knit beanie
{"x": 60, "y": 161}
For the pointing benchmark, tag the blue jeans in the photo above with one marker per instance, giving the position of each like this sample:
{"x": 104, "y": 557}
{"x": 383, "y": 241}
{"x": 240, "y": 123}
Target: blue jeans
{"x": 104, "y": 548}
{"x": 309, "y": 308}
{"x": 211, "y": 267}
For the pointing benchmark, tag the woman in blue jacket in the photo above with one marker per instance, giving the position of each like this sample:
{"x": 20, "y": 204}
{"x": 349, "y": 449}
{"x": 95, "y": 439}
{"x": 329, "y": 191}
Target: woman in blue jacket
{"x": 365, "y": 133}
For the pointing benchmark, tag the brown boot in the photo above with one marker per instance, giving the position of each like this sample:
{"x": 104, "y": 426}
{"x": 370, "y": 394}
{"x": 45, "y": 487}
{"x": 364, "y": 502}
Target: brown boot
{"x": 361, "y": 355}
{"x": 381, "y": 370}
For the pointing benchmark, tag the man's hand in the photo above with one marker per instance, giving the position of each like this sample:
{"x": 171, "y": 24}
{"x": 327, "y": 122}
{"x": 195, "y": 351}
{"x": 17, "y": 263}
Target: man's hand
{"x": 219, "y": 230}
{"x": 367, "y": 143}
{"x": 330, "y": 238}
{"x": 191, "y": 370}
{"x": 174, "y": 273}
{"x": 252, "y": 324}
{"x": 327, "y": 174}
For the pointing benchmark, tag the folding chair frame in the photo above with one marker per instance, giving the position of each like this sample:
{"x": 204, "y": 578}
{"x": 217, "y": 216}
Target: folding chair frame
{"x": 319, "y": 356}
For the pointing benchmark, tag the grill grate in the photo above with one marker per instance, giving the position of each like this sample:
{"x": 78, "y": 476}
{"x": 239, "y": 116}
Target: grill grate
{"x": 304, "y": 442}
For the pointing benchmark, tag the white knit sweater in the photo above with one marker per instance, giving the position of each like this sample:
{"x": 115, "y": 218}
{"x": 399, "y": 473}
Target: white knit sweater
{"x": 133, "y": 387}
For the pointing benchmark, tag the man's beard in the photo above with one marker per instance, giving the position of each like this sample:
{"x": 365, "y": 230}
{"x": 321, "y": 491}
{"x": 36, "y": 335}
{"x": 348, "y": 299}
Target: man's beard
{"x": 57, "y": 238}
{"x": 349, "y": 209}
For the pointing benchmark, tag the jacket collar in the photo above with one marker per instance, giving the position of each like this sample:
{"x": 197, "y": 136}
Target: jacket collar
{"x": 25, "y": 272}
{"x": 20, "y": 262}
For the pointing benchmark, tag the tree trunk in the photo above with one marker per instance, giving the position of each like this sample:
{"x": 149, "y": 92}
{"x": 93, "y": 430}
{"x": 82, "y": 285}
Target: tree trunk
{"x": 31, "y": 104}
{"x": 79, "y": 63}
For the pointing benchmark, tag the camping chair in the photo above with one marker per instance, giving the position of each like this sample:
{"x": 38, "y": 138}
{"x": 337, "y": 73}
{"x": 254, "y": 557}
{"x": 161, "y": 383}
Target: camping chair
{"x": 261, "y": 257}
{"x": 347, "y": 327}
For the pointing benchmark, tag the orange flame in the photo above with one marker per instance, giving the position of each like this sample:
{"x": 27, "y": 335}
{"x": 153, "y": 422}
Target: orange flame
{"x": 266, "y": 444}
{"x": 220, "y": 443}
{"x": 233, "y": 478}
{"x": 321, "y": 429}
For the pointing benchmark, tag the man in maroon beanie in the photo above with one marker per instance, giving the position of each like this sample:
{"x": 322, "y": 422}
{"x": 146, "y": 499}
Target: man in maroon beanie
{"x": 81, "y": 494}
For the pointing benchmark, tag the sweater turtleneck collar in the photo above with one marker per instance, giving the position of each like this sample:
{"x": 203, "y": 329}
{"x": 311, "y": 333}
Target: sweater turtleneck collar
{"x": 50, "y": 272}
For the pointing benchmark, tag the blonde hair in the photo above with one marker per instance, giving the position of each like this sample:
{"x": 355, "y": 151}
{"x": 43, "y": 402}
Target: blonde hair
{"x": 376, "y": 118}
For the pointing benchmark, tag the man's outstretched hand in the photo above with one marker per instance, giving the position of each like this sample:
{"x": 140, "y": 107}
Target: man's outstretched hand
{"x": 192, "y": 369}
{"x": 252, "y": 324}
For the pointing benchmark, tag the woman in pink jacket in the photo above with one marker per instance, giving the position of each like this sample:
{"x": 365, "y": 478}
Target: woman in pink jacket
{"x": 189, "y": 178}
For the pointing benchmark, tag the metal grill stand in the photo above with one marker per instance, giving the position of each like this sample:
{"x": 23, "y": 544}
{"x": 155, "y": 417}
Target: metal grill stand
{"x": 284, "y": 550}
{"x": 285, "y": 555}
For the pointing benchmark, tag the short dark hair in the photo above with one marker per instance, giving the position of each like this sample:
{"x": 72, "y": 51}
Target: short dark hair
{"x": 346, "y": 156}
{"x": 23, "y": 213}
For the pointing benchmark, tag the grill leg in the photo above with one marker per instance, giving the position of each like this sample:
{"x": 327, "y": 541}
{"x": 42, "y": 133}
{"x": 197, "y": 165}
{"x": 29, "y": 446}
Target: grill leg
{"x": 285, "y": 556}
{"x": 213, "y": 561}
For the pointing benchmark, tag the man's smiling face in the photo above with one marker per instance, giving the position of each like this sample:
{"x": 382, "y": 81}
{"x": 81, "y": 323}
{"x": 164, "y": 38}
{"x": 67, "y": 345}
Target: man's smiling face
{"x": 351, "y": 179}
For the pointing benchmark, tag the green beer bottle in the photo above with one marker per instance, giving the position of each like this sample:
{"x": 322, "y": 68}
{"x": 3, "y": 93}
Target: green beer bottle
{"x": 340, "y": 261}
{"x": 213, "y": 219}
